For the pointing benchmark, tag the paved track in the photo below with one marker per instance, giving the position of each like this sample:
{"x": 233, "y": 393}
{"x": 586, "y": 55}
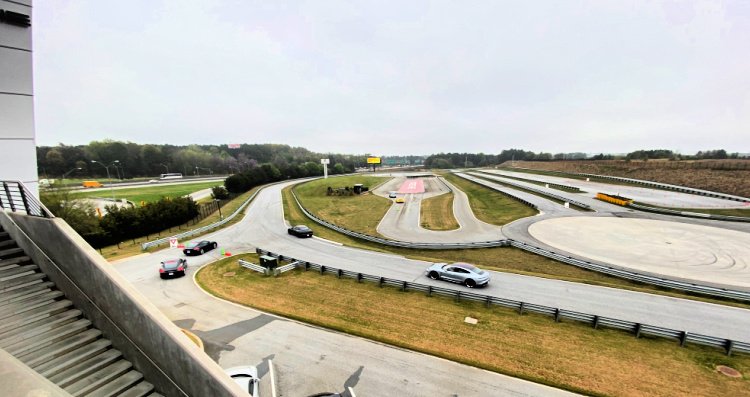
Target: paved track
{"x": 664, "y": 198}
{"x": 402, "y": 221}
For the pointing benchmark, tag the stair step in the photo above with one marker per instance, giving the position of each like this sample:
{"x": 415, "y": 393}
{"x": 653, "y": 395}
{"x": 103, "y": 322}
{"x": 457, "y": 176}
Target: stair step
{"x": 38, "y": 327}
{"x": 19, "y": 282}
{"x": 7, "y": 243}
{"x": 48, "y": 338}
{"x": 57, "y": 349}
{"x": 14, "y": 261}
{"x": 21, "y": 292}
{"x": 10, "y": 252}
{"x": 14, "y": 271}
{"x": 139, "y": 390}
{"x": 118, "y": 385}
{"x": 85, "y": 368}
{"x": 98, "y": 378}
{"x": 71, "y": 358}
{"x": 4, "y": 235}
{"x": 34, "y": 315}
{"x": 29, "y": 304}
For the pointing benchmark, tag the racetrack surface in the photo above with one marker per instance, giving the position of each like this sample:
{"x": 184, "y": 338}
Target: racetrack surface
{"x": 662, "y": 198}
{"x": 402, "y": 221}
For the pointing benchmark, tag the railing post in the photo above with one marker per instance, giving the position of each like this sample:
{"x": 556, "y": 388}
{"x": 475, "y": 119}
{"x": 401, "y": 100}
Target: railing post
{"x": 488, "y": 301}
{"x": 520, "y": 308}
{"x": 458, "y": 296}
{"x": 380, "y": 282}
{"x": 359, "y": 277}
{"x": 338, "y": 273}
{"x": 403, "y": 286}
{"x": 557, "y": 315}
{"x": 638, "y": 330}
{"x": 729, "y": 346}
{"x": 322, "y": 269}
{"x": 683, "y": 338}
{"x": 429, "y": 290}
{"x": 10, "y": 199}
{"x": 596, "y": 322}
{"x": 307, "y": 266}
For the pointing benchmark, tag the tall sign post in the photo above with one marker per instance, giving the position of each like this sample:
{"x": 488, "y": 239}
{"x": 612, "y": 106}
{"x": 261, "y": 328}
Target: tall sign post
{"x": 373, "y": 161}
{"x": 325, "y": 163}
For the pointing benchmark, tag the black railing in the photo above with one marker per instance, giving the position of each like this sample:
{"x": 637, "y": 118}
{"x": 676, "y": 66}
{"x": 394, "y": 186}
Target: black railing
{"x": 15, "y": 197}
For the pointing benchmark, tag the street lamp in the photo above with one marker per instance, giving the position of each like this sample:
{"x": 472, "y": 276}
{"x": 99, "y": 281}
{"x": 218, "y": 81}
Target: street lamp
{"x": 106, "y": 167}
{"x": 62, "y": 183}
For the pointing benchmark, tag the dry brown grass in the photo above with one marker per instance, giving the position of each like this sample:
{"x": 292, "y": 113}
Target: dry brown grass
{"x": 568, "y": 355}
{"x": 725, "y": 176}
{"x": 436, "y": 213}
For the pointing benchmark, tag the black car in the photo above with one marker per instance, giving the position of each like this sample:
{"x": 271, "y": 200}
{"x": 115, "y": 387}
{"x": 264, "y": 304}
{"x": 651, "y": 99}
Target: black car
{"x": 200, "y": 247}
{"x": 300, "y": 231}
{"x": 173, "y": 268}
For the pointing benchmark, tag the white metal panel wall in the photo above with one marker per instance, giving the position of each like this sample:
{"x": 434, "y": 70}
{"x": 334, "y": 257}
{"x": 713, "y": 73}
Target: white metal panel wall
{"x": 17, "y": 138}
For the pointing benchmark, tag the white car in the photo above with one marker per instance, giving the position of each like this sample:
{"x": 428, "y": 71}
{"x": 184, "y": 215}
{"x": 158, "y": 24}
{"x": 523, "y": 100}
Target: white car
{"x": 246, "y": 377}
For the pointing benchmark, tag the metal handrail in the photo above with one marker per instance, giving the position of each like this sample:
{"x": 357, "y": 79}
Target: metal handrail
{"x": 15, "y": 197}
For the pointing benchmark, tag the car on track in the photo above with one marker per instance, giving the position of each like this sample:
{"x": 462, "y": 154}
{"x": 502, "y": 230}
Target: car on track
{"x": 391, "y": 194}
{"x": 246, "y": 377}
{"x": 200, "y": 247}
{"x": 461, "y": 273}
{"x": 400, "y": 200}
{"x": 173, "y": 268}
{"x": 300, "y": 231}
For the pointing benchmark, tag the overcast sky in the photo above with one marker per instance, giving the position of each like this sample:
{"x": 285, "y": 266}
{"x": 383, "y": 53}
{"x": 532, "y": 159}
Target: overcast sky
{"x": 401, "y": 77}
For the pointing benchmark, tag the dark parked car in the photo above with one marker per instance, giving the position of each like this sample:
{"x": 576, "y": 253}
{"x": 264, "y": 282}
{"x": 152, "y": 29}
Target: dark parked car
{"x": 200, "y": 247}
{"x": 462, "y": 273}
{"x": 173, "y": 268}
{"x": 300, "y": 231}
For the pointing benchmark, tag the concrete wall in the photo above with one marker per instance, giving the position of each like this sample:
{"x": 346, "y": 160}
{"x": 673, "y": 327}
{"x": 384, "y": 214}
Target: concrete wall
{"x": 157, "y": 348}
{"x": 17, "y": 139}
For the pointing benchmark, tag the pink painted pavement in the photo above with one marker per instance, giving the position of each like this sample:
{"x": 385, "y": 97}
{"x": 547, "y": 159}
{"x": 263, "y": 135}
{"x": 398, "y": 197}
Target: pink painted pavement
{"x": 412, "y": 186}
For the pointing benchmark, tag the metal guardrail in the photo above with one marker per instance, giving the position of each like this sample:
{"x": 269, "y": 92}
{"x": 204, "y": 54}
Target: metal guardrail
{"x": 15, "y": 197}
{"x": 653, "y": 280}
{"x": 504, "y": 193}
{"x": 688, "y": 214}
{"x": 560, "y": 186}
{"x": 252, "y": 266}
{"x": 658, "y": 185}
{"x": 638, "y": 329}
{"x": 540, "y": 192}
{"x": 200, "y": 230}
{"x": 397, "y": 243}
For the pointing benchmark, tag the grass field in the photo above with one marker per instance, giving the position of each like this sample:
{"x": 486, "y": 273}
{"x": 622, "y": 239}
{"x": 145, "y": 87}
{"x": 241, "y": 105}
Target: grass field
{"x": 361, "y": 213}
{"x": 490, "y": 206}
{"x": 567, "y": 355}
{"x": 147, "y": 193}
{"x": 436, "y": 213}
{"x": 510, "y": 260}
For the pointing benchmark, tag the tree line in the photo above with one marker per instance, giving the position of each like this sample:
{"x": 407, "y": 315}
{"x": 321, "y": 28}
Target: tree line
{"x": 147, "y": 160}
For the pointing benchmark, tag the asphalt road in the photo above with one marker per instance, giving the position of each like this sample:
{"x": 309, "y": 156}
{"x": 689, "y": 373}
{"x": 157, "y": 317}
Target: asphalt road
{"x": 664, "y": 198}
{"x": 402, "y": 221}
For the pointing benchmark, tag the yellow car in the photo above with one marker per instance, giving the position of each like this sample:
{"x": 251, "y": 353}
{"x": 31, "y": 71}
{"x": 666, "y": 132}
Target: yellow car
{"x": 400, "y": 200}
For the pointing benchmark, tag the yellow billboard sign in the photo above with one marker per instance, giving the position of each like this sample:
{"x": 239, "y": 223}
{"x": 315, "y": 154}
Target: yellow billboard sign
{"x": 373, "y": 160}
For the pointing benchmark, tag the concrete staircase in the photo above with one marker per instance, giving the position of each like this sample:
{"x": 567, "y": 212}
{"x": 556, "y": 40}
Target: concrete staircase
{"x": 42, "y": 329}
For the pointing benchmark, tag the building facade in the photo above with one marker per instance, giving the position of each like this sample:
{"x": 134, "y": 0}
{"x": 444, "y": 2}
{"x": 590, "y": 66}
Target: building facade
{"x": 17, "y": 138}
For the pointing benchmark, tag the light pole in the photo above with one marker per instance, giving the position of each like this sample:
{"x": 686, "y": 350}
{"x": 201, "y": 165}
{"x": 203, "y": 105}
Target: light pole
{"x": 62, "y": 183}
{"x": 106, "y": 167}
{"x": 218, "y": 204}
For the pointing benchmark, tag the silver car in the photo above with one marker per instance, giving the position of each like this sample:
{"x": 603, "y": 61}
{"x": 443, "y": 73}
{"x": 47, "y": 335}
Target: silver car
{"x": 462, "y": 273}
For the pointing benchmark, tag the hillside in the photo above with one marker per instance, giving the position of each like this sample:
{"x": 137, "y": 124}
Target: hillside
{"x": 725, "y": 176}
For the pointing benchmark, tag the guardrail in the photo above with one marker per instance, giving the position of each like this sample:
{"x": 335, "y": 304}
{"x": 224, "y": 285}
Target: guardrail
{"x": 638, "y": 329}
{"x": 397, "y": 243}
{"x": 559, "y": 186}
{"x": 252, "y": 266}
{"x": 538, "y": 191}
{"x": 662, "y": 282}
{"x": 688, "y": 214}
{"x": 658, "y": 185}
{"x": 504, "y": 193}
{"x": 15, "y": 197}
{"x": 200, "y": 230}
